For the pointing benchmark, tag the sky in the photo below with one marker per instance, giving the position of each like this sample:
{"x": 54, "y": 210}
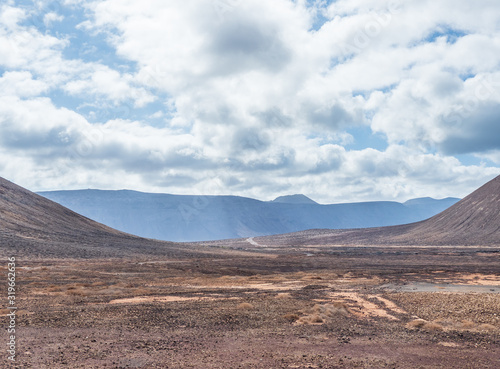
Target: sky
{"x": 347, "y": 100}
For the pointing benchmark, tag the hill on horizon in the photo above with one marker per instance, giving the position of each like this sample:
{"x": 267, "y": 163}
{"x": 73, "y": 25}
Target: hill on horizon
{"x": 473, "y": 221}
{"x": 184, "y": 218}
{"x": 33, "y": 226}
{"x": 294, "y": 199}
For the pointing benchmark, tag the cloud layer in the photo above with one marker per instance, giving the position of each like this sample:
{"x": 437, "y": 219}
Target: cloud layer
{"x": 252, "y": 98}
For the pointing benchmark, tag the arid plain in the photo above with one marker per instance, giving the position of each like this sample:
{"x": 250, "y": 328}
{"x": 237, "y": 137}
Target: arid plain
{"x": 91, "y": 297}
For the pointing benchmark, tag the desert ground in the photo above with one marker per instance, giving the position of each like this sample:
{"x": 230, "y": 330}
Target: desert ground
{"x": 258, "y": 307}
{"x": 89, "y": 296}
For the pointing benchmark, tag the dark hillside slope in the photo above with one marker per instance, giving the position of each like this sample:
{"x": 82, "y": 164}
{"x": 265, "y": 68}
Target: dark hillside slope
{"x": 33, "y": 226}
{"x": 475, "y": 220}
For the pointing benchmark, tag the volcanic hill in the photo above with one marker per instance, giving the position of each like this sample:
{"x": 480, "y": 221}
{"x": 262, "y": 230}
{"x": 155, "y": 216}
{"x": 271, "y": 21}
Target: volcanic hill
{"x": 473, "y": 221}
{"x": 33, "y": 226}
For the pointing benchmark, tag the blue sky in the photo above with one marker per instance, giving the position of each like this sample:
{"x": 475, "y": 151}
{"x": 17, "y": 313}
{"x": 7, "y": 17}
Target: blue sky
{"x": 342, "y": 101}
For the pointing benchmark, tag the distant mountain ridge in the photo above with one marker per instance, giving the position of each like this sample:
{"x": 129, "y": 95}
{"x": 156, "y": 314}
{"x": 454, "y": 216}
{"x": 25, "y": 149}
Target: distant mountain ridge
{"x": 202, "y": 218}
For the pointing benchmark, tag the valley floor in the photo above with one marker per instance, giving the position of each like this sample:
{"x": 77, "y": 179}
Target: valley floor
{"x": 332, "y": 308}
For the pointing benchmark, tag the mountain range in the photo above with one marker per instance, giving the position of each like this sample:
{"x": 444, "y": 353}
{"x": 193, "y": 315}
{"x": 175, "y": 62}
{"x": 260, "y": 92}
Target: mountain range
{"x": 35, "y": 227}
{"x": 200, "y": 218}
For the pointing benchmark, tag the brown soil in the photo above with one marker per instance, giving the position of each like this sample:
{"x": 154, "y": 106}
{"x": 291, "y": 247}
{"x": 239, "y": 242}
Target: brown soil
{"x": 236, "y": 312}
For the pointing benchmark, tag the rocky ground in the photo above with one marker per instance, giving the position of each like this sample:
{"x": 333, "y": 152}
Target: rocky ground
{"x": 324, "y": 310}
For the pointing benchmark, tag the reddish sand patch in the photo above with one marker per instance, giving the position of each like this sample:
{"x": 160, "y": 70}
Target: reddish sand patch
{"x": 448, "y": 344}
{"x": 481, "y": 279}
{"x": 362, "y": 307}
{"x": 389, "y": 304}
{"x": 148, "y": 299}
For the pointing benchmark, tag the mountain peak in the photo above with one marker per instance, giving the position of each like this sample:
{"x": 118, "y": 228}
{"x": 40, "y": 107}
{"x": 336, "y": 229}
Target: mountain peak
{"x": 294, "y": 199}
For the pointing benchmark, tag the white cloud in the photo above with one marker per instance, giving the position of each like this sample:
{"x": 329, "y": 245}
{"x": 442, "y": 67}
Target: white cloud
{"x": 102, "y": 81}
{"x": 24, "y": 47}
{"x": 256, "y": 101}
{"x": 27, "y": 49}
{"x": 21, "y": 84}
{"x": 51, "y": 17}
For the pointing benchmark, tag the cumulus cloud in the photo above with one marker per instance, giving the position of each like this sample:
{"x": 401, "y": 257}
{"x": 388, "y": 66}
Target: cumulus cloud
{"x": 51, "y": 17}
{"x": 21, "y": 84}
{"x": 29, "y": 50}
{"x": 102, "y": 81}
{"x": 254, "y": 98}
{"x": 479, "y": 132}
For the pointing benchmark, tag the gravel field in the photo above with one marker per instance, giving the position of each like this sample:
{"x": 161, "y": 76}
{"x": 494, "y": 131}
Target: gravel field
{"x": 265, "y": 311}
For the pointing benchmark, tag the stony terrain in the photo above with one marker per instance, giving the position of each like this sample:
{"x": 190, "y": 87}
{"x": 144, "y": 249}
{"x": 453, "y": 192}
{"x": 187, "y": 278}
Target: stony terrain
{"x": 266, "y": 311}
